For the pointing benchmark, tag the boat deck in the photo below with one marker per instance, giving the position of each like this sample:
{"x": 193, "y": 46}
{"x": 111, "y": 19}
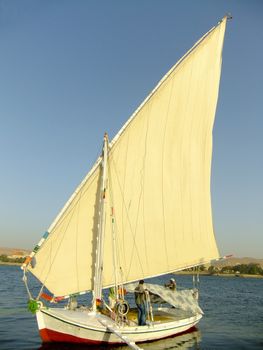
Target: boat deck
{"x": 161, "y": 315}
{"x": 83, "y": 316}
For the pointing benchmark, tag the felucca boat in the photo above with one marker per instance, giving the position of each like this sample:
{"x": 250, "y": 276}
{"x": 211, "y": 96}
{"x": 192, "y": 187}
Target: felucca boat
{"x": 143, "y": 210}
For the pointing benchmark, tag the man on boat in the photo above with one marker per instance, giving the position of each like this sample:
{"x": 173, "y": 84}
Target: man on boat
{"x": 140, "y": 300}
{"x": 171, "y": 285}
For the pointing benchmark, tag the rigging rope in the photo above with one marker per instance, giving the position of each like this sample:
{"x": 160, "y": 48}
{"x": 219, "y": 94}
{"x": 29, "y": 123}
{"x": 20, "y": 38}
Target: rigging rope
{"x": 133, "y": 233}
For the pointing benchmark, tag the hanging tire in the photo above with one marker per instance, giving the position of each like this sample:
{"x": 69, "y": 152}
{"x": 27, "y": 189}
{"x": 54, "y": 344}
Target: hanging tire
{"x": 122, "y": 308}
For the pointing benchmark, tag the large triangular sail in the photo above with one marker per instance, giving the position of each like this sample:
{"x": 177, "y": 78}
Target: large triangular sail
{"x": 158, "y": 193}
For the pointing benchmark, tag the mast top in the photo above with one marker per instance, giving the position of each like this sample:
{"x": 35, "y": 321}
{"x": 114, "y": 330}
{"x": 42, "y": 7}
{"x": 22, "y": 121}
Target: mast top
{"x": 229, "y": 16}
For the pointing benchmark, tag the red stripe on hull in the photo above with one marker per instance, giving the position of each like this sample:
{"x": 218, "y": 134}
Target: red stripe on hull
{"x": 48, "y": 336}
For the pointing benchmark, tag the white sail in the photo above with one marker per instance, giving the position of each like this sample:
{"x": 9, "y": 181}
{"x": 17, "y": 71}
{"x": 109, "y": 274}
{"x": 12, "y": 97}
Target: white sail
{"x": 159, "y": 185}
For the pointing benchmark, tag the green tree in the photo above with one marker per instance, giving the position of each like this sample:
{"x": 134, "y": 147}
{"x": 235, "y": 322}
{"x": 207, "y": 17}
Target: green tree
{"x": 212, "y": 270}
{"x": 4, "y": 258}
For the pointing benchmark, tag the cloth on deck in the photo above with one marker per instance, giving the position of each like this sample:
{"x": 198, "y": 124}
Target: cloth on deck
{"x": 182, "y": 299}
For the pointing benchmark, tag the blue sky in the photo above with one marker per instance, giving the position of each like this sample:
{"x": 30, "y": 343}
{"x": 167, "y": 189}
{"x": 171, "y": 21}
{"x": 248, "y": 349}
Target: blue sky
{"x": 71, "y": 70}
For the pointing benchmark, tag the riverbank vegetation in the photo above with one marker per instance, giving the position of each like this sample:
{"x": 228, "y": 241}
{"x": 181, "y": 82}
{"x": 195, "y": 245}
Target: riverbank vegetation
{"x": 236, "y": 270}
{"x": 11, "y": 260}
{"x": 250, "y": 269}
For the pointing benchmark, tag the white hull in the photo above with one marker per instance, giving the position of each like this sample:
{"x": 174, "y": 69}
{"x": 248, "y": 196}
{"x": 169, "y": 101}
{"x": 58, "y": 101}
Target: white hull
{"x": 61, "y": 325}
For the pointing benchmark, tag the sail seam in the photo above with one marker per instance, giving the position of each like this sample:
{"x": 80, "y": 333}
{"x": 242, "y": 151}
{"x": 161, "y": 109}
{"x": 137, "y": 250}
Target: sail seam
{"x": 127, "y": 214}
{"x": 54, "y": 258}
{"x": 143, "y": 204}
{"x": 163, "y": 146}
{"x": 77, "y": 237}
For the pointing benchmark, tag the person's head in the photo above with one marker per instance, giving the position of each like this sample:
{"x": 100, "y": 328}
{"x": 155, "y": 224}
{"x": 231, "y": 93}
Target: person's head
{"x": 141, "y": 282}
{"x": 172, "y": 280}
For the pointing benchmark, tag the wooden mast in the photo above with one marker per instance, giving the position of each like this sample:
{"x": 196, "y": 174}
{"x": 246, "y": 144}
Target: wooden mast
{"x": 101, "y": 227}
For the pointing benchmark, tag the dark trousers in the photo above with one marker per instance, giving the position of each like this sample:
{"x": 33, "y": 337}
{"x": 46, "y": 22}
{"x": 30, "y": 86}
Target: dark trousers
{"x": 141, "y": 314}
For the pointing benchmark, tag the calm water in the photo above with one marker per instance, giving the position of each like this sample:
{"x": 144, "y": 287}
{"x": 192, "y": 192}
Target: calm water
{"x": 233, "y": 316}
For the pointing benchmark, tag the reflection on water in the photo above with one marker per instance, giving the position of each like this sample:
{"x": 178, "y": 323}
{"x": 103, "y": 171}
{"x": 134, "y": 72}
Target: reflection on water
{"x": 187, "y": 341}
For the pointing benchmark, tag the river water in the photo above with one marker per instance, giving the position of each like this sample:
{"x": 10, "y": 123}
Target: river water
{"x": 233, "y": 317}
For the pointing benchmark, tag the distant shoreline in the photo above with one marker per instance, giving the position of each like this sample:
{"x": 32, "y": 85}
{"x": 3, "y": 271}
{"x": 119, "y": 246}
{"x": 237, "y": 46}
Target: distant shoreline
{"x": 202, "y": 273}
{"x": 10, "y": 263}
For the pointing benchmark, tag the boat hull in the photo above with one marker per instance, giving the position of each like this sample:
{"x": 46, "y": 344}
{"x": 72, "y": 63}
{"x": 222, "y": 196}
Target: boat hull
{"x": 90, "y": 328}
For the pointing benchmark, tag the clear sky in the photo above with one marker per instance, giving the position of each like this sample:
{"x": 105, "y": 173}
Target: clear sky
{"x": 70, "y": 70}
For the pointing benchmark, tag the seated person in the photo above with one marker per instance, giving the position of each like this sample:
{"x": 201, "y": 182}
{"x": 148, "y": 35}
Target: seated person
{"x": 171, "y": 285}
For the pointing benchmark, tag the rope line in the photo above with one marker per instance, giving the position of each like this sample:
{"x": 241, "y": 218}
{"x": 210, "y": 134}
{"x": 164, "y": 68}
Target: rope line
{"x": 128, "y": 219}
